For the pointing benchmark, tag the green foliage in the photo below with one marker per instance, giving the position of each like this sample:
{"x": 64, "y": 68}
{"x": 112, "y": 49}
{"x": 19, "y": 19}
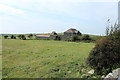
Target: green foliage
{"x": 75, "y": 38}
{"x": 86, "y": 37}
{"x": 19, "y": 36}
{"x": 68, "y": 38}
{"x": 30, "y": 36}
{"x": 57, "y": 37}
{"x": 22, "y": 37}
{"x": 80, "y": 34}
{"x": 100, "y": 56}
{"x": 106, "y": 54}
{"x": 13, "y": 37}
{"x": 6, "y": 36}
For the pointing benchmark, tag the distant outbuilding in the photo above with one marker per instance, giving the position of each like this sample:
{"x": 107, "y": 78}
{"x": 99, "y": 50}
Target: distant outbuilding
{"x": 42, "y": 36}
{"x": 48, "y": 36}
{"x": 72, "y": 31}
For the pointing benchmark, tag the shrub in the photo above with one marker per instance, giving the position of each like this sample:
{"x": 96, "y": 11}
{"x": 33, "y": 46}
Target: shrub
{"x": 75, "y": 38}
{"x": 106, "y": 54}
{"x": 22, "y": 37}
{"x": 86, "y": 37}
{"x": 100, "y": 56}
{"x": 30, "y": 36}
{"x": 80, "y": 34}
{"x": 19, "y": 36}
{"x": 13, "y": 37}
{"x": 68, "y": 38}
{"x": 57, "y": 37}
{"x": 5, "y": 37}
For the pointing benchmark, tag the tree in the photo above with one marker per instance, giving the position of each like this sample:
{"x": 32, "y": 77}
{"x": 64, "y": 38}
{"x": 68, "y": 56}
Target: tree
{"x": 107, "y": 31}
{"x": 30, "y": 36}
{"x": 106, "y": 54}
{"x": 22, "y": 37}
{"x": 107, "y": 27}
{"x": 6, "y": 36}
{"x": 13, "y": 37}
{"x": 19, "y": 36}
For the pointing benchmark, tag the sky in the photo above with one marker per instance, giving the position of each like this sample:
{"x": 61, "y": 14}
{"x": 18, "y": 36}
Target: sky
{"x": 45, "y": 16}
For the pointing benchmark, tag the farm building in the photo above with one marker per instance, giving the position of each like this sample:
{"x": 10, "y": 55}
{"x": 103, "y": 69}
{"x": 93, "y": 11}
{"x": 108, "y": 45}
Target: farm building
{"x": 70, "y": 32}
{"x": 42, "y": 35}
{"x": 48, "y": 36}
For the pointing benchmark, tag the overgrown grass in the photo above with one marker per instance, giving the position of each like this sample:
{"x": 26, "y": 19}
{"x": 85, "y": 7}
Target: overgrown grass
{"x": 43, "y": 59}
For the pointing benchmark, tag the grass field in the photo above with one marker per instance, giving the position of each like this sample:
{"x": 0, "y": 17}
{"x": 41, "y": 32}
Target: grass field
{"x": 43, "y": 58}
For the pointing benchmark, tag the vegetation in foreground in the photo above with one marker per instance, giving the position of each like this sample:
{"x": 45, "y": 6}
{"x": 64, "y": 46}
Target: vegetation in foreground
{"x": 44, "y": 58}
{"x": 105, "y": 57}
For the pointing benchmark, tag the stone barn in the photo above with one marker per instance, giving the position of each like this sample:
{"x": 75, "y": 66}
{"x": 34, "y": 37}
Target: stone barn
{"x": 70, "y": 32}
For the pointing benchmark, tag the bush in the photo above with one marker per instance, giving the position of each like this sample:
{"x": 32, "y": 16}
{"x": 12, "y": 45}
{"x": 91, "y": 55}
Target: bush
{"x": 86, "y": 37}
{"x": 106, "y": 54}
{"x": 22, "y": 37}
{"x": 100, "y": 56}
{"x": 30, "y": 36}
{"x": 75, "y": 38}
{"x": 57, "y": 37}
{"x": 68, "y": 38}
{"x": 5, "y": 37}
{"x": 13, "y": 37}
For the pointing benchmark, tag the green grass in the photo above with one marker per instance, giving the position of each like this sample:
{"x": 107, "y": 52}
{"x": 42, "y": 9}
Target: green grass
{"x": 43, "y": 58}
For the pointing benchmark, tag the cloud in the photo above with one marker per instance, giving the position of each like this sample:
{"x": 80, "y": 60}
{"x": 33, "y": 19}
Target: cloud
{"x": 10, "y": 10}
{"x": 58, "y": 15}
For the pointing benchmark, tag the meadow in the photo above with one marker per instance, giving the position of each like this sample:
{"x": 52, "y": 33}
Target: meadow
{"x": 44, "y": 58}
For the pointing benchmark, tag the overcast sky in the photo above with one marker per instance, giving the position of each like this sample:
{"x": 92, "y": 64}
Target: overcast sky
{"x": 45, "y": 16}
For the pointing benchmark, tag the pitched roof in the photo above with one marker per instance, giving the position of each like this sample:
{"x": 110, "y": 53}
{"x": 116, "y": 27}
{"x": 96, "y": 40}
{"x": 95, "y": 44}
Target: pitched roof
{"x": 71, "y": 30}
